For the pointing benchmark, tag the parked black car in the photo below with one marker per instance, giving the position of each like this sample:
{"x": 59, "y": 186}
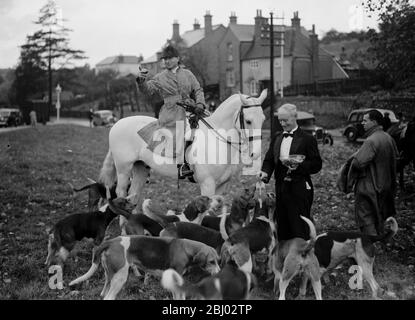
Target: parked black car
{"x": 103, "y": 118}
{"x": 354, "y": 130}
{"x": 10, "y": 117}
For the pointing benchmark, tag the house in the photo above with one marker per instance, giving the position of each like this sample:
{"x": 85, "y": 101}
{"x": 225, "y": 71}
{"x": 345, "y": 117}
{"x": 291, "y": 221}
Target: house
{"x": 236, "y": 58}
{"x": 123, "y": 65}
{"x": 245, "y": 57}
{"x": 153, "y": 64}
{"x": 233, "y": 46}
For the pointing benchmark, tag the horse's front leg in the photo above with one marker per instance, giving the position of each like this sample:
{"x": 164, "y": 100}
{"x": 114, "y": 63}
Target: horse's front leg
{"x": 123, "y": 182}
{"x": 208, "y": 187}
{"x": 222, "y": 189}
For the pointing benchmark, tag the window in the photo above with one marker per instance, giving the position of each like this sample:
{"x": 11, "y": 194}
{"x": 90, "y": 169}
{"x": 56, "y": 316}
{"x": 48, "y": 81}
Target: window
{"x": 230, "y": 78}
{"x": 230, "y": 52}
{"x": 253, "y": 88}
{"x": 254, "y": 64}
{"x": 277, "y": 63}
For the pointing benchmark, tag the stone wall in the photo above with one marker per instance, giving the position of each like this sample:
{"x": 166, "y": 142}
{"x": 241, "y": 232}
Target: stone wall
{"x": 340, "y": 106}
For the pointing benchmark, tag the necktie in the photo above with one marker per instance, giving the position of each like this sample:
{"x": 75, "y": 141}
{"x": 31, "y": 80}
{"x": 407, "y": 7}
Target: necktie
{"x": 286, "y": 135}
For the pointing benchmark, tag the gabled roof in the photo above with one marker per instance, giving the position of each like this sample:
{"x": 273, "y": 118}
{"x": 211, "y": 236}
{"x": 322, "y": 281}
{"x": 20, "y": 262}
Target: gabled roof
{"x": 192, "y": 37}
{"x": 296, "y": 44}
{"x": 119, "y": 59}
{"x": 263, "y": 51}
{"x": 244, "y": 32}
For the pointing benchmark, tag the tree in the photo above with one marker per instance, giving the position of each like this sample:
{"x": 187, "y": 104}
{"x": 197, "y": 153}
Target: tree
{"x": 30, "y": 76}
{"x": 5, "y": 85}
{"x": 51, "y": 42}
{"x": 394, "y": 45}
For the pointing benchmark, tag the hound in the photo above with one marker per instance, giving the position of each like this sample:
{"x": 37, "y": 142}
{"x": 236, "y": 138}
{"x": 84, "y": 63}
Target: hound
{"x": 334, "y": 247}
{"x": 150, "y": 254}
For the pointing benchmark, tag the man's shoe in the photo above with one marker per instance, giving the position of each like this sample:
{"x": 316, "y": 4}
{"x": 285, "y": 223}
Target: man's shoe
{"x": 184, "y": 171}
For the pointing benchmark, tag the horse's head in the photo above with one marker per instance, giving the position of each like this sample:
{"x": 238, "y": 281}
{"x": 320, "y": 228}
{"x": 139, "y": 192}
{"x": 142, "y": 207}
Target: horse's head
{"x": 249, "y": 121}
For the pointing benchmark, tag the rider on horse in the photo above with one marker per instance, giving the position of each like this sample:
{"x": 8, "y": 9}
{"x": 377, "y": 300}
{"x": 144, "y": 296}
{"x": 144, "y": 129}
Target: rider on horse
{"x": 175, "y": 84}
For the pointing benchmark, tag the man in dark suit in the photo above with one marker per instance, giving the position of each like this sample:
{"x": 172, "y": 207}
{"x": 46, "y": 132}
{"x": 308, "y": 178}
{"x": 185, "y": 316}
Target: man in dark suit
{"x": 295, "y": 196}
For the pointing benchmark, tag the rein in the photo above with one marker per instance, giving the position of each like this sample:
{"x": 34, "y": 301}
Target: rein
{"x": 242, "y": 125}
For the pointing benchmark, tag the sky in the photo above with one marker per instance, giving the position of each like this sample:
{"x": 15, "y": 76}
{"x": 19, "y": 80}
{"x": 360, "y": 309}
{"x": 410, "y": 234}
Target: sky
{"x": 104, "y": 28}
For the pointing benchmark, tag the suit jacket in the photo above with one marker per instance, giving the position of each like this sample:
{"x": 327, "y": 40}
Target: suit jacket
{"x": 302, "y": 143}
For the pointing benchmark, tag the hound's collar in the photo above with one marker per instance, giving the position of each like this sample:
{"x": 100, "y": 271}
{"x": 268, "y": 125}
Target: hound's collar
{"x": 263, "y": 219}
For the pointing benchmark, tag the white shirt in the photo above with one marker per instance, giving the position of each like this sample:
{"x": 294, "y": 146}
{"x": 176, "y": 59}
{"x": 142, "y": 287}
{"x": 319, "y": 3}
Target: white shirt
{"x": 286, "y": 144}
{"x": 175, "y": 69}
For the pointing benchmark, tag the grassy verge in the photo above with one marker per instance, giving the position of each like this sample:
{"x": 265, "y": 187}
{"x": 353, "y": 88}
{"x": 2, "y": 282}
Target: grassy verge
{"x": 36, "y": 166}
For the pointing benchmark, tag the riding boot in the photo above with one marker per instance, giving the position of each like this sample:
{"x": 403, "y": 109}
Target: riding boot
{"x": 184, "y": 170}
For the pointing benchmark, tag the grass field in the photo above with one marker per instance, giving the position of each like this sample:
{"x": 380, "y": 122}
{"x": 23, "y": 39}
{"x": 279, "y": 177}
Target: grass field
{"x": 36, "y": 166}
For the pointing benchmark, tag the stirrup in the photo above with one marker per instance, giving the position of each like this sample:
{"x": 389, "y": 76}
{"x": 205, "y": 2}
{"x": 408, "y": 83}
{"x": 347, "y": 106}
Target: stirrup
{"x": 184, "y": 171}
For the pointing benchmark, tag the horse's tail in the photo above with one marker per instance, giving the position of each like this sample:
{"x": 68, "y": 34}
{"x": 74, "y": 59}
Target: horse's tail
{"x": 108, "y": 174}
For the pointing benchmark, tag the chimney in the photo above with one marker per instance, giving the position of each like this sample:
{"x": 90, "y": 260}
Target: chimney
{"x": 176, "y": 32}
{"x": 314, "y": 54}
{"x": 196, "y": 25}
{"x": 295, "y": 22}
{"x": 259, "y": 22}
{"x": 208, "y": 23}
{"x": 233, "y": 18}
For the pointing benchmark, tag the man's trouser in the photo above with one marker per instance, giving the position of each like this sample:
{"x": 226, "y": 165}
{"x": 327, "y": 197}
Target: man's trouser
{"x": 292, "y": 201}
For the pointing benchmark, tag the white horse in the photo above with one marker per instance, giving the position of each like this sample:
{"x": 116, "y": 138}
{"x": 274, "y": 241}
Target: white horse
{"x": 233, "y": 123}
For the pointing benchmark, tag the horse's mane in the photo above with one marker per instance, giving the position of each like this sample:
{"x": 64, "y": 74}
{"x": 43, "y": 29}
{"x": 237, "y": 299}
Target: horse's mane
{"x": 230, "y": 100}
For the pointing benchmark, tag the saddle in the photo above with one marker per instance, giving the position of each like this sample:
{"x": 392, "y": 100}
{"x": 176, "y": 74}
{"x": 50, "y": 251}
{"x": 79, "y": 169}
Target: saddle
{"x": 147, "y": 133}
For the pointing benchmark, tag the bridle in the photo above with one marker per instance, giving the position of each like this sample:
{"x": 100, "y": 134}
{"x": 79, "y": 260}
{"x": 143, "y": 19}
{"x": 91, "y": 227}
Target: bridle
{"x": 242, "y": 134}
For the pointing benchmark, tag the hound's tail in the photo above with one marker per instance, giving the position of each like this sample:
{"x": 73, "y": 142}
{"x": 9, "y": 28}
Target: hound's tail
{"x": 171, "y": 280}
{"x": 391, "y": 225}
{"x": 159, "y": 217}
{"x": 80, "y": 189}
{"x": 313, "y": 235}
{"x": 118, "y": 211}
{"x": 108, "y": 174}
{"x": 96, "y": 255}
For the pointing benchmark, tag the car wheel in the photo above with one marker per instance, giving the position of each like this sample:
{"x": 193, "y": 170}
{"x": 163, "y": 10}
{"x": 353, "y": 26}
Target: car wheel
{"x": 351, "y": 134}
{"x": 328, "y": 140}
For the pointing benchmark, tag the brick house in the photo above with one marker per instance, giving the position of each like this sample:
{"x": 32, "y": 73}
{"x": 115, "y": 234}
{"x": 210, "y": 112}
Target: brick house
{"x": 245, "y": 58}
{"x": 235, "y": 58}
{"x": 235, "y": 43}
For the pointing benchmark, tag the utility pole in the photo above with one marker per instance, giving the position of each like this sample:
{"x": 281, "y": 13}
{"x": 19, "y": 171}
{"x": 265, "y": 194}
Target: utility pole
{"x": 50, "y": 71}
{"x": 58, "y": 101}
{"x": 271, "y": 71}
{"x": 268, "y": 32}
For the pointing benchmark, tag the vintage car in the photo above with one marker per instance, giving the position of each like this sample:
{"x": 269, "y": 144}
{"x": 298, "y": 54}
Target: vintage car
{"x": 10, "y": 117}
{"x": 354, "y": 130}
{"x": 307, "y": 122}
{"x": 103, "y": 118}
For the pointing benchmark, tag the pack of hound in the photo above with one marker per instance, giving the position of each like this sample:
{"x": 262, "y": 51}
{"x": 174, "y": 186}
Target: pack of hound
{"x": 226, "y": 246}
